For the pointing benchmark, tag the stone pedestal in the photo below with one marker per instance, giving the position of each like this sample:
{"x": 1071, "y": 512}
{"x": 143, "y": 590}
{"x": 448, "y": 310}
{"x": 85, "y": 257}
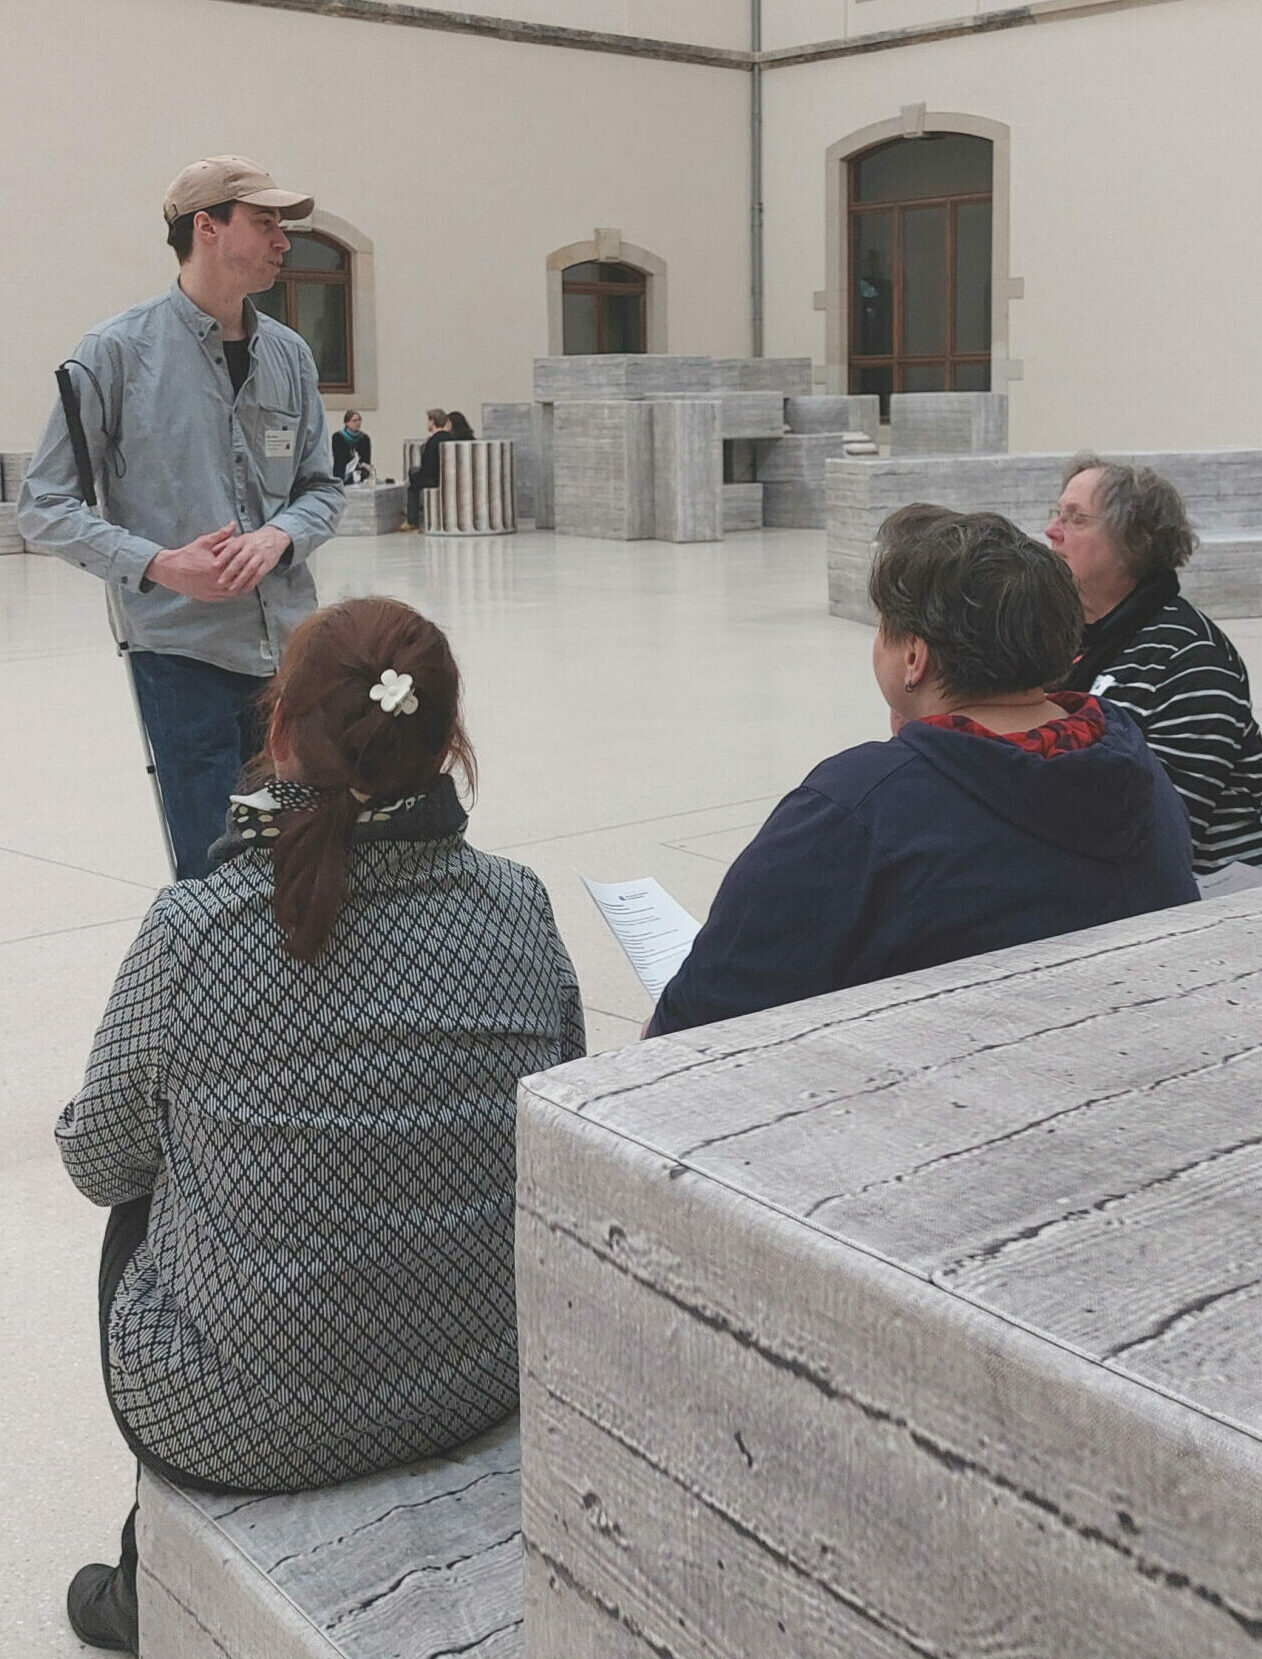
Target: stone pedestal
{"x": 475, "y": 496}
{"x": 10, "y": 540}
{"x": 621, "y": 375}
{"x": 948, "y": 423}
{"x": 742, "y": 506}
{"x": 13, "y": 465}
{"x": 920, "y": 1319}
{"x": 789, "y": 376}
{"x": 752, "y": 414}
{"x": 414, "y": 1564}
{"x": 791, "y": 471}
{"x": 834, "y": 414}
{"x": 603, "y": 469}
{"x": 373, "y": 509}
{"x": 687, "y": 470}
{"x": 515, "y": 423}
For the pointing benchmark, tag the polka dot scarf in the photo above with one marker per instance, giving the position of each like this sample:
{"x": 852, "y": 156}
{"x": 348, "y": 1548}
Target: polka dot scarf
{"x": 255, "y": 820}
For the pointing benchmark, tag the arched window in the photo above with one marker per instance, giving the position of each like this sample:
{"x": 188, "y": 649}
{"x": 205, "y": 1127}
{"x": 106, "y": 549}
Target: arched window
{"x": 313, "y": 296}
{"x": 920, "y": 266}
{"x": 604, "y": 308}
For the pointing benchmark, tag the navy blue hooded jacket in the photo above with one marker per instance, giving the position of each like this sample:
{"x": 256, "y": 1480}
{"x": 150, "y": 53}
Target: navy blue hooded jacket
{"x": 935, "y": 845}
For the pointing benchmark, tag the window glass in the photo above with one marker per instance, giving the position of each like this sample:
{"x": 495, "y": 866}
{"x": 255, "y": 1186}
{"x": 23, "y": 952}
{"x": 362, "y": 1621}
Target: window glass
{"x": 972, "y": 276}
{"x": 907, "y": 169}
{"x": 579, "y": 324}
{"x": 620, "y": 323}
{"x": 972, "y": 377}
{"x": 589, "y": 272}
{"x": 308, "y": 252}
{"x": 874, "y": 377}
{"x": 924, "y": 377}
{"x": 924, "y": 281}
{"x": 872, "y": 283}
{"x": 320, "y": 317}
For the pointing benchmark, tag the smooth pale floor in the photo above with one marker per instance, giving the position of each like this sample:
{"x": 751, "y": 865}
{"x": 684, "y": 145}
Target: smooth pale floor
{"x": 637, "y": 709}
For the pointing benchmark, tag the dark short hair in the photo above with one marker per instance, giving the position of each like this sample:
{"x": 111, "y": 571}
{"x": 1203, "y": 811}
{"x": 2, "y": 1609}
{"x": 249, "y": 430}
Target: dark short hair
{"x": 180, "y": 231}
{"x": 998, "y": 610}
{"x": 349, "y": 416}
{"x": 1142, "y": 512}
{"x": 438, "y": 416}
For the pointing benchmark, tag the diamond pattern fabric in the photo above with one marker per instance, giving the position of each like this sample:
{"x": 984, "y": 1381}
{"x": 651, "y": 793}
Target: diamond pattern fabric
{"x": 327, "y": 1284}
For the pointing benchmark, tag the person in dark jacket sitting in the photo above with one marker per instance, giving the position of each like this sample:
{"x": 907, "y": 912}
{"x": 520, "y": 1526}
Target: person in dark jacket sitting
{"x": 996, "y": 814}
{"x": 426, "y": 476}
{"x": 352, "y": 450}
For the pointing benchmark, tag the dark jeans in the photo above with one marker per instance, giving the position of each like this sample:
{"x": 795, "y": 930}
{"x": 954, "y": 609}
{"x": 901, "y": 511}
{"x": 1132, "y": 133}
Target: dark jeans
{"x": 414, "y": 496}
{"x": 203, "y": 726}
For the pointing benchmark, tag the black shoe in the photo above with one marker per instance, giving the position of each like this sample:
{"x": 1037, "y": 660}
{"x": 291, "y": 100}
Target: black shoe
{"x": 102, "y": 1608}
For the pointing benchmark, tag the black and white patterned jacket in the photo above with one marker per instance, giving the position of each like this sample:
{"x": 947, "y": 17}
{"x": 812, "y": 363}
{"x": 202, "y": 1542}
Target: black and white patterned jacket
{"x": 327, "y": 1284}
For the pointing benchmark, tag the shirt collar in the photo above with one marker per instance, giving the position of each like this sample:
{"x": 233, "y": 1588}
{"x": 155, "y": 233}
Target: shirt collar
{"x": 201, "y": 324}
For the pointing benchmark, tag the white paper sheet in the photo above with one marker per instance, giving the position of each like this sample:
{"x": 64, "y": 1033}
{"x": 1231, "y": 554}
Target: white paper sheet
{"x": 1232, "y": 878}
{"x": 655, "y": 930}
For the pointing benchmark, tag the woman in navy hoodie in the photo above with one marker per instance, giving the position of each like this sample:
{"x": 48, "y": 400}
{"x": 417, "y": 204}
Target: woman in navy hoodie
{"x": 997, "y": 813}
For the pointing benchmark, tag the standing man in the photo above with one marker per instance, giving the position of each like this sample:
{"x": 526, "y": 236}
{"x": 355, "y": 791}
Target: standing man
{"x": 426, "y": 476}
{"x": 206, "y": 432}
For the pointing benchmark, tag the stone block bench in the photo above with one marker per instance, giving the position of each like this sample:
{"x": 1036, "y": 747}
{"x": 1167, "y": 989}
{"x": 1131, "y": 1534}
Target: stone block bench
{"x": 1222, "y": 489}
{"x": 921, "y": 1319}
{"x": 373, "y": 509}
{"x": 420, "y": 1563}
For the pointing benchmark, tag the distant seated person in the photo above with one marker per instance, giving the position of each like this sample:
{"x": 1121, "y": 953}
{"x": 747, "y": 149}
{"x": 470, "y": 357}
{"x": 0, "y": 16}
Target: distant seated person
{"x": 300, "y": 1103}
{"x": 997, "y": 813}
{"x": 427, "y": 475}
{"x": 1124, "y": 532}
{"x": 461, "y": 431}
{"x": 352, "y": 450}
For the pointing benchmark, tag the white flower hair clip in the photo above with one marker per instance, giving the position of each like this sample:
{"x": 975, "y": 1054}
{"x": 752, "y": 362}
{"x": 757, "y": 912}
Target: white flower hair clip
{"x": 394, "y": 693}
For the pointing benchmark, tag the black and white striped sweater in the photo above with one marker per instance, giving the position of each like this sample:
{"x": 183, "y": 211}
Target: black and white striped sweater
{"x": 1183, "y": 682}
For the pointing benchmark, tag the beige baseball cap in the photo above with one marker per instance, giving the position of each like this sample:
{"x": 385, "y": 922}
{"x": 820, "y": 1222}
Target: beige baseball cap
{"x": 230, "y": 179}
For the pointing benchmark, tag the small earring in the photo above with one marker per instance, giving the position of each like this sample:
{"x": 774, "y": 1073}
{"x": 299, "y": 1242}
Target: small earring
{"x": 908, "y": 685}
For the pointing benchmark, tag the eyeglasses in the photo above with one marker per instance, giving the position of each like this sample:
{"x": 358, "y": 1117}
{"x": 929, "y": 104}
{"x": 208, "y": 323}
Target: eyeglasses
{"x": 1073, "y": 518}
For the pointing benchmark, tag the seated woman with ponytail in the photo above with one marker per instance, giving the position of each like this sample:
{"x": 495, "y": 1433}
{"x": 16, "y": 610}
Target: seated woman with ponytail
{"x": 300, "y": 1103}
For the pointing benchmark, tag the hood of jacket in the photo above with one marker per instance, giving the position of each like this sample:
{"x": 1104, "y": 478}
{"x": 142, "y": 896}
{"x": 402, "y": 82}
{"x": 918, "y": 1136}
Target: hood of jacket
{"x": 1094, "y": 801}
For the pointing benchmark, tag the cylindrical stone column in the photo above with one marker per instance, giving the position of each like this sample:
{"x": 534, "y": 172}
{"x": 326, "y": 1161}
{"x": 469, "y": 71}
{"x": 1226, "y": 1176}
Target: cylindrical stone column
{"x": 478, "y": 461}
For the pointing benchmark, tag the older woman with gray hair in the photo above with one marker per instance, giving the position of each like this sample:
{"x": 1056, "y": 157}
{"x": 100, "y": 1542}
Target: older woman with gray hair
{"x": 1124, "y": 533}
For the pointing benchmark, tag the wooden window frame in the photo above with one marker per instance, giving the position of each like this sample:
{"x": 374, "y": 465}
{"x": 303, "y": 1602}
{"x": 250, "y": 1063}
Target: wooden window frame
{"x": 895, "y": 360}
{"x": 598, "y": 288}
{"x": 289, "y": 281}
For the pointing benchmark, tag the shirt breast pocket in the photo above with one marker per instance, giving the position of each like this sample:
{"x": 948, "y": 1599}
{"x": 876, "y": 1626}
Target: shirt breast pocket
{"x": 278, "y": 444}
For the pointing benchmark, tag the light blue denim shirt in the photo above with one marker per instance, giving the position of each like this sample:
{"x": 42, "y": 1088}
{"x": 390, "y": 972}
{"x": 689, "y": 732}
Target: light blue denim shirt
{"x": 176, "y": 455}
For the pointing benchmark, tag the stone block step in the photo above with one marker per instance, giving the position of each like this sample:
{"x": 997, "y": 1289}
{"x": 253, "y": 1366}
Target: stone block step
{"x": 412, "y": 1564}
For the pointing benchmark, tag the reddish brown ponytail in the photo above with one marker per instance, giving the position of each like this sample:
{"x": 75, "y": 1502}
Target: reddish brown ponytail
{"x": 344, "y": 744}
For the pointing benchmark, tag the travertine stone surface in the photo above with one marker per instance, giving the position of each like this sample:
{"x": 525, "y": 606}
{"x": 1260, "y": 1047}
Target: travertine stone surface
{"x": 621, "y": 375}
{"x": 742, "y": 506}
{"x": 791, "y": 470}
{"x": 752, "y": 414}
{"x": 13, "y": 465}
{"x": 790, "y": 376}
{"x": 687, "y": 470}
{"x": 921, "y": 1319}
{"x": 1222, "y": 489}
{"x": 545, "y": 482}
{"x": 834, "y": 414}
{"x": 10, "y": 539}
{"x": 602, "y": 459}
{"x": 421, "y": 1563}
{"x": 373, "y": 509}
{"x": 516, "y": 422}
{"x": 948, "y": 423}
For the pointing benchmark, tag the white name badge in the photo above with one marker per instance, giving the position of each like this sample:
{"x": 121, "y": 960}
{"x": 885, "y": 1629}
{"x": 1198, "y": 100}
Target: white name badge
{"x": 277, "y": 441}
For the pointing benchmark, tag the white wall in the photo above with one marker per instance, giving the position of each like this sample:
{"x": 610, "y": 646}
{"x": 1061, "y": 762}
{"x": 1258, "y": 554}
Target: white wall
{"x": 465, "y": 160}
{"x": 1135, "y": 147}
{"x": 698, "y": 22}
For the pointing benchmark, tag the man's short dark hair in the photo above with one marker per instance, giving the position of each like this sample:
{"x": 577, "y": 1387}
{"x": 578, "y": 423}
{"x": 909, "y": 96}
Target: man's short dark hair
{"x": 180, "y": 231}
{"x": 998, "y": 610}
{"x": 438, "y": 416}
